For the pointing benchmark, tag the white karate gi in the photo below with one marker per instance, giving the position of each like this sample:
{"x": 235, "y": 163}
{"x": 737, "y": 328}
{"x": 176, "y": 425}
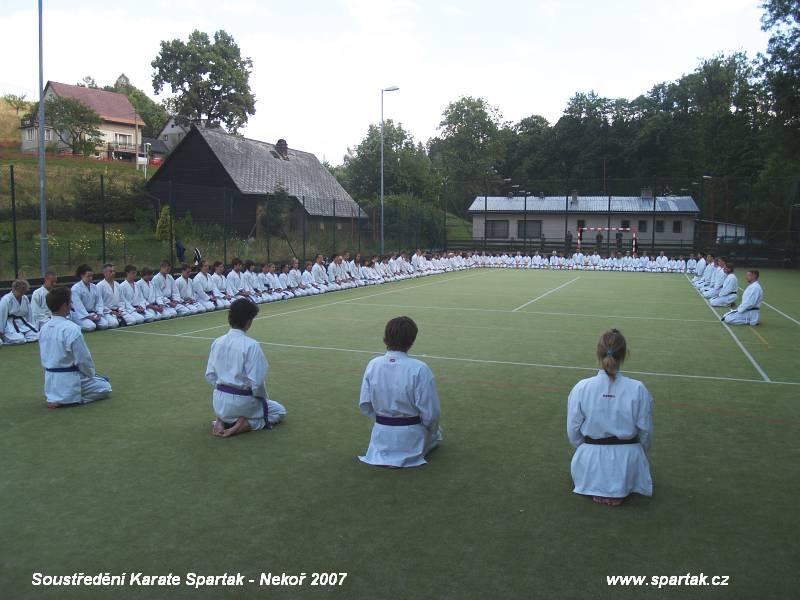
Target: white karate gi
{"x": 61, "y": 346}
{"x": 204, "y": 291}
{"x": 112, "y": 300}
{"x": 150, "y": 295}
{"x": 87, "y": 300}
{"x": 39, "y": 311}
{"x": 185, "y": 290}
{"x": 235, "y": 285}
{"x": 727, "y": 293}
{"x": 321, "y": 279}
{"x": 311, "y": 286}
{"x": 16, "y": 320}
{"x": 237, "y": 361}
{"x": 747, "y": 313}
{"x": 600, "y": 407}
{"x": 132, "y": 296}
{"x": 167, "y": 293}
{"x": 396, "y": 385}
{"x": 220, "y": 289}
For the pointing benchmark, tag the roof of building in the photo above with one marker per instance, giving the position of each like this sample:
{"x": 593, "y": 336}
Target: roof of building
{"x": 110, "y": 106}
{"x": 257, "y": 168}
{"x": 157, "y": 146}
{"x": 584, "y": 204}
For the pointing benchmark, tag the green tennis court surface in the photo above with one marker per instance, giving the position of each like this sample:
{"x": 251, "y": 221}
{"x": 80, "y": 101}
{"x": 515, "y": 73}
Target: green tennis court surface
{"x": 137, "y": 483}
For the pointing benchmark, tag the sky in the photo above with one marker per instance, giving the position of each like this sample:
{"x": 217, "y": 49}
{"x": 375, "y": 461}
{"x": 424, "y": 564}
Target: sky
{"x": 319, "y": 65}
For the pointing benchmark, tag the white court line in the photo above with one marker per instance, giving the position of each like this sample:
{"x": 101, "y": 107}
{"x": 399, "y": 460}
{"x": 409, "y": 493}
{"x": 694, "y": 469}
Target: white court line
{"x": 733, "y": 335}
{"x": 472, "y": 360}
{"x": 316, "y": 306}
{"x": 534, "y": 312}
{"x": 546, "y": 294}
{"x": 780, "y": 312}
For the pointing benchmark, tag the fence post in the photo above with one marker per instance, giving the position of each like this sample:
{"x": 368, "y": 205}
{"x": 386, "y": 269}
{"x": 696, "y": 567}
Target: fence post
{"x": 303, "y": 224}
{"x": 69, "y": 254}
{"x": 14, "y": 220}
{"x": 225, "y": 226}
{"x": 103, "y": 215}
{"x": 334, "y": 226}
{"x": 268, "y": 222}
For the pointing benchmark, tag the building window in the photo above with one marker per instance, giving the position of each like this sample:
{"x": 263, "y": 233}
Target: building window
{"x": 677, "y": 226}
{"x": 529, "y": 229}
{"x": 29, "y": 136}
{"x": 166, "y": 137}
{"x": 625, "y": 224}
{"x": 497, "y": 229}
{"x": 659, "y": 226}
{"x": 123, "y": 139}
{"x": 581, "y": 224}
{"x": 642, "y": 226}
{"x": 48, "y": 135}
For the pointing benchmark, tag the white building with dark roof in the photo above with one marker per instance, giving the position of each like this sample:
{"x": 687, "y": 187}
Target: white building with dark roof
{"x": 513, "y": 219}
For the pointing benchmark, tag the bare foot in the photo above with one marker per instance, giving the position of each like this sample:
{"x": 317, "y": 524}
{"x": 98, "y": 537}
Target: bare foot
{"x": 218, "y": 428}
{"x": 54, "y": 405}
{"x": 241, "y": 426}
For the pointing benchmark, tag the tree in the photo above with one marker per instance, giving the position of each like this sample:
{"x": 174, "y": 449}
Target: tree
{"x": 88, "y": 82}
{"x": 75, "y": 124}
{"x": 17, "y": 102}
{"x": 153, "y": 114}
{"x": 211, "y": 80}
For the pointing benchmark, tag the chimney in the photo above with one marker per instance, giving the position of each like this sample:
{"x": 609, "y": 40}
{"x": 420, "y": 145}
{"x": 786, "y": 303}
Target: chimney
{"x": 282, "y": 148}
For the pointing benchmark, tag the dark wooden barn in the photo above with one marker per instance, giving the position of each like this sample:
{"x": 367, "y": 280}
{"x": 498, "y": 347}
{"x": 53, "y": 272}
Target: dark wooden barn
{"x": 226, "y": 179}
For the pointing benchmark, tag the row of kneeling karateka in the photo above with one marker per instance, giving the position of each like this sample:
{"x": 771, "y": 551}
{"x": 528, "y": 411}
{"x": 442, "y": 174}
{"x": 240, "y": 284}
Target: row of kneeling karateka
{"x": 630, "y": 262}
{"x": 609, "y": 416}
{"x": 716, "y": 280}
{"x": 151, "y": 295}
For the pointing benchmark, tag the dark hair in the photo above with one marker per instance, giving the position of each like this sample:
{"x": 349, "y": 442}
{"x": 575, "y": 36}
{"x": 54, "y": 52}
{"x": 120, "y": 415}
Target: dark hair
{"x": 236, "y": 261}
{"x": 51, "y": 274}
{"x": 129, "y": 268}
{"x": 165, "y": 263}
{"x": 400, "y": 334}
{"x": 248, "y": 263}
{"x": 82, "y": 270}
{"x": 185, "y": 267}
{"x": 216, "y": 264}
{"x": 241, "y": 311}
{"x": 611, "y": 351}
{"x": 108, "y": 265}
{"x": 755, "y": 272}
{"x": 58, "y": 297}
{"x": 147, "y": 271}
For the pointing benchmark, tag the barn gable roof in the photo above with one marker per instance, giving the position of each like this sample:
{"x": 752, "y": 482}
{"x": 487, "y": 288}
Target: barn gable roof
{"x": 257, "y": 167}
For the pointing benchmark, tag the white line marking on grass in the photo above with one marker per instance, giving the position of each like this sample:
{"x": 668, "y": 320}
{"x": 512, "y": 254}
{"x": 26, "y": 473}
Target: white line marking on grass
{"x": 316, "y": 306}
{"x": 563, "y": 285}
{"x": 780, "y": 312}
{"x": 533, "y": 312}
{"x": 733, "y": 335}
{"x": 471, "y": 360}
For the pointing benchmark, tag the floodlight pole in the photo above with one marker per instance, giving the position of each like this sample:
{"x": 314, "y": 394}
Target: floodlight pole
{"x": 392, "y": 88}
{"x": 43, "y": 245}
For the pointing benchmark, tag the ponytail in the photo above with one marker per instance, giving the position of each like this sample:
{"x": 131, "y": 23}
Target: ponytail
{"x": 611, "y": 351}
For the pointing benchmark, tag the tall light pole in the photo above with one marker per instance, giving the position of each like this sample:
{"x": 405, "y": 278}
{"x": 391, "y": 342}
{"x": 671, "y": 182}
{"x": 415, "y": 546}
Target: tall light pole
{"x": 42, "y": 195}
{"x": 392, "y": 88}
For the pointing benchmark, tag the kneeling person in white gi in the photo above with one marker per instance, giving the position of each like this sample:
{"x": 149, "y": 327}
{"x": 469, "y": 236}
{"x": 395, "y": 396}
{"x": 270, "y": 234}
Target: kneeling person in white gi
{"x": 69, "y": 377}
{"x": 16, "y": 320}
{"x": 237, "y": 368}
{"x": 610, "y": 422}
{"x": 399, "y": 392}
{"x": 748, "y": 312}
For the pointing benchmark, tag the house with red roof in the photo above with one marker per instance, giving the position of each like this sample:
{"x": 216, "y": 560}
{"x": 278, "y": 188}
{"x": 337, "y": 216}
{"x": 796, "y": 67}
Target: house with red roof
{"x": 120, "y": 128}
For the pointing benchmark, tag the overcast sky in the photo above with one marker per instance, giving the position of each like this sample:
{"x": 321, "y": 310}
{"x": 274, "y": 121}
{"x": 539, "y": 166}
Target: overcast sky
{"x": 319, "y": 65}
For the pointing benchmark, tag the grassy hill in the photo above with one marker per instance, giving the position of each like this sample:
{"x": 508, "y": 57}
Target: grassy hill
{"x": 9, "y": 125}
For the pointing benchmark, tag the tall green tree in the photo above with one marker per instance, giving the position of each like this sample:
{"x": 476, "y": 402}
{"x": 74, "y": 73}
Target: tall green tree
{"x": 154, "y": 114}
{"x": 16, "y": 101}
{"x": 210, "y": 80}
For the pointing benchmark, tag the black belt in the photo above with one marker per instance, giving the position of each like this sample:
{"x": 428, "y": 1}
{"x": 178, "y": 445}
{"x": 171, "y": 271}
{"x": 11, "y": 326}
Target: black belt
{"x": 397, "y": 421}
{"x": 610, "y": 441}
{"x": 229, "y": 389}
{"x": 14, "y": 320}
{"x": 72, "y": 369}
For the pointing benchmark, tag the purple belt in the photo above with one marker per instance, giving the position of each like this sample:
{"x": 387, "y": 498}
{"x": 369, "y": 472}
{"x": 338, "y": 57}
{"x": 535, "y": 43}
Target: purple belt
{"x": 228, "y": 389}
{"x": 72, "y": 369}
{"x": 397, "y": 421}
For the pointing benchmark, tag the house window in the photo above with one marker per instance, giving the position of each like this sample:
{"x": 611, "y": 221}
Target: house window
{"x": 29, "y": 136}
{"x": 642, "y": 226}
{"x": 123, "y": 139}
{"x": 677, "y": 226}
{"x": 529, "y": 229}
{"x": 48, "y": 135}
{"x": 625, "y": 224}
{"x": 497, "y": 229}
{"x": 166, "y": 138}
{"x": 581, "y": 223}
{"x": 659, "y": 226}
